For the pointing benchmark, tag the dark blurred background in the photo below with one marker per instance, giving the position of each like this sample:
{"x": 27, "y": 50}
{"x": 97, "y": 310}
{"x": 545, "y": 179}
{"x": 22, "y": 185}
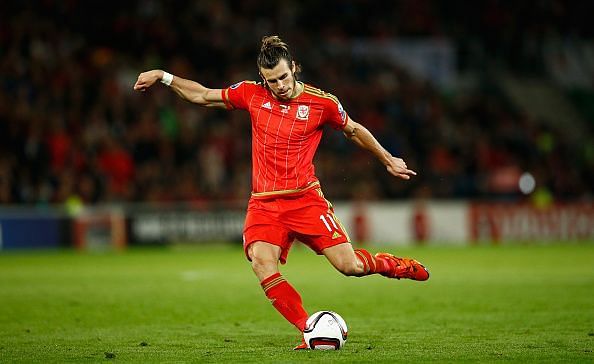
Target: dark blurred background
{"x": 471, "y": 94}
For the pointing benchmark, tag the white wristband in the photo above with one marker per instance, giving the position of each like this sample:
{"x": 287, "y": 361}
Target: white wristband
{"x": 167, "y": 78}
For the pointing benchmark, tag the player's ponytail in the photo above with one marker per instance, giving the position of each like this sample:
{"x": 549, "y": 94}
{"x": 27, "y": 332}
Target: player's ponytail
{"x": 272, "y": 50}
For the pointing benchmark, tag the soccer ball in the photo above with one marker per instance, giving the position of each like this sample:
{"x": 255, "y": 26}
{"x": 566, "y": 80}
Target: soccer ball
{"x": 325, "y": 330}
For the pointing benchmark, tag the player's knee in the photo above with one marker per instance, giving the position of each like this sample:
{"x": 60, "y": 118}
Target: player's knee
{"x": 263, "y": 266}
{"x": 264, "y": 258}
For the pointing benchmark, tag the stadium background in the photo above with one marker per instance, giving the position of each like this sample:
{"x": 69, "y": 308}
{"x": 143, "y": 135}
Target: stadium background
{"x": 471, "y": 95}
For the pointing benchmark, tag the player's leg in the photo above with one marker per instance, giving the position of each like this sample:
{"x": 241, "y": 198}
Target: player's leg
{"x": 353, "y": 263}
{"x": 316, "y": 225}
{"x": 287, "y": 301}
{"x": 359, "y": 262}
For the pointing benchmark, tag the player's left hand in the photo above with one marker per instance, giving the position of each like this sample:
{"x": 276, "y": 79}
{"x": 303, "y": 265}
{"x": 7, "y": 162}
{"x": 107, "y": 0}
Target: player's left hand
{"x": 398, "y": 168}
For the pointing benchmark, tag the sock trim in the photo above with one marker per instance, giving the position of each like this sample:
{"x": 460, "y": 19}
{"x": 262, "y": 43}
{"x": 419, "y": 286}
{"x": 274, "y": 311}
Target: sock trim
{"x": 364, "y": 260}
{"x": 368, "y": 261}
{"x": 272, "y": 281}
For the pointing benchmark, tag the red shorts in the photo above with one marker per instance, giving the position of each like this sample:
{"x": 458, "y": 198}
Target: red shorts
{"x": 308, "y": 218}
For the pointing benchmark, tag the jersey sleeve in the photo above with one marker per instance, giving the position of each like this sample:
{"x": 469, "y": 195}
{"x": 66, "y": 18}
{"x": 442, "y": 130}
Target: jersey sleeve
{"x": 237, "y": 96}
{"x": 336, "y": 117}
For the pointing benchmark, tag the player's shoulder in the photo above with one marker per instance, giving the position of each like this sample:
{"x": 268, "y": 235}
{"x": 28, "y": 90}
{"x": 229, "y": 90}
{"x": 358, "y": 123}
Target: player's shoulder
{"x": 246, "y": 83}
{"x": 319, "y": 94}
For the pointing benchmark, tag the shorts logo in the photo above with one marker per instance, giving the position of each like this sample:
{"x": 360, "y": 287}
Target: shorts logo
{"x": 236, "y": 85}
{"x": 303, "y": 112}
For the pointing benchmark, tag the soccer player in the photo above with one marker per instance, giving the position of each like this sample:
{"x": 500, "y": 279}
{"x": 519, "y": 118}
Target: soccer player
{"x": 287, "y": 202}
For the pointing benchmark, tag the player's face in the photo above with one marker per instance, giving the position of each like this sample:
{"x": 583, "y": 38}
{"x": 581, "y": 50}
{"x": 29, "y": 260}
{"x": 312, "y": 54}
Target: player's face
{"x": 280, "y": 79}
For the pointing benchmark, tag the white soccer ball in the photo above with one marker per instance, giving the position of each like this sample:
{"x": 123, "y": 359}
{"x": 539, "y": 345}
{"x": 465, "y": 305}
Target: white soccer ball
{"x": 325, "y": 330}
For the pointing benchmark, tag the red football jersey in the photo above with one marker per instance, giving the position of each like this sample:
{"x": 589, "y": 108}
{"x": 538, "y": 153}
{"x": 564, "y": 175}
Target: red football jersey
{"x": 285, "y": 135}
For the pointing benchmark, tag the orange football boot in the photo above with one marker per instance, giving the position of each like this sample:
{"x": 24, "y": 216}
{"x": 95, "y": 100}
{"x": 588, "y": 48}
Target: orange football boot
{"x": 302, "y": 346}
{"x": 404, "y": 268}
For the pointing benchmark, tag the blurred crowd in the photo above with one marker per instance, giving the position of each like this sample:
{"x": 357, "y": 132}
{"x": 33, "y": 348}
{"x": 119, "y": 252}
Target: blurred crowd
{"x": 71, "y": 127}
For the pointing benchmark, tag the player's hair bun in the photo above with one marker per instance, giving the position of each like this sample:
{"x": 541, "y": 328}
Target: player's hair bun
{"x": 273, "y": 41}
{"x": 273, "y": 49}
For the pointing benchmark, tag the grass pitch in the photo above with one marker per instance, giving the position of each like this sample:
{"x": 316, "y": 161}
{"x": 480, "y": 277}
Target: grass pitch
{"x": 481, "y": 304}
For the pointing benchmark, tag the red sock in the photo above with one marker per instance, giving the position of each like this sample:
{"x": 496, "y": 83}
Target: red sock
{"x": 285, "y": 299}
{"x": 372, "y": 264}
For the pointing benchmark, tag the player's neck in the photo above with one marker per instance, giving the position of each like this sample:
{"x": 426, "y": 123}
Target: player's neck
{"x": 298, "y": 89}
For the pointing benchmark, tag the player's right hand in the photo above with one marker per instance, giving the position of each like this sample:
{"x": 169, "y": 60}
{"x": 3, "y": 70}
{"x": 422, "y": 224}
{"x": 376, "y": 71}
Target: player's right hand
{"x": 147, "y": 79}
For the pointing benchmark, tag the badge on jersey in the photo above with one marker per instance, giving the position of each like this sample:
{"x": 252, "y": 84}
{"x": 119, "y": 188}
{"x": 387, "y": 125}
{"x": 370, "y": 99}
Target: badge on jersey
{"x": 303, "y": 112}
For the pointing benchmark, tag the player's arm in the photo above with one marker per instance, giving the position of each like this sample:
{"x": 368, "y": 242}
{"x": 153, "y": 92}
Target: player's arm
{"x": 188, "y": 90}
{"x": 364, "y": 139}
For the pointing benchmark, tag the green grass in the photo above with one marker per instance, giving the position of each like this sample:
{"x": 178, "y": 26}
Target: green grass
{"x": 482, "y": 304}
